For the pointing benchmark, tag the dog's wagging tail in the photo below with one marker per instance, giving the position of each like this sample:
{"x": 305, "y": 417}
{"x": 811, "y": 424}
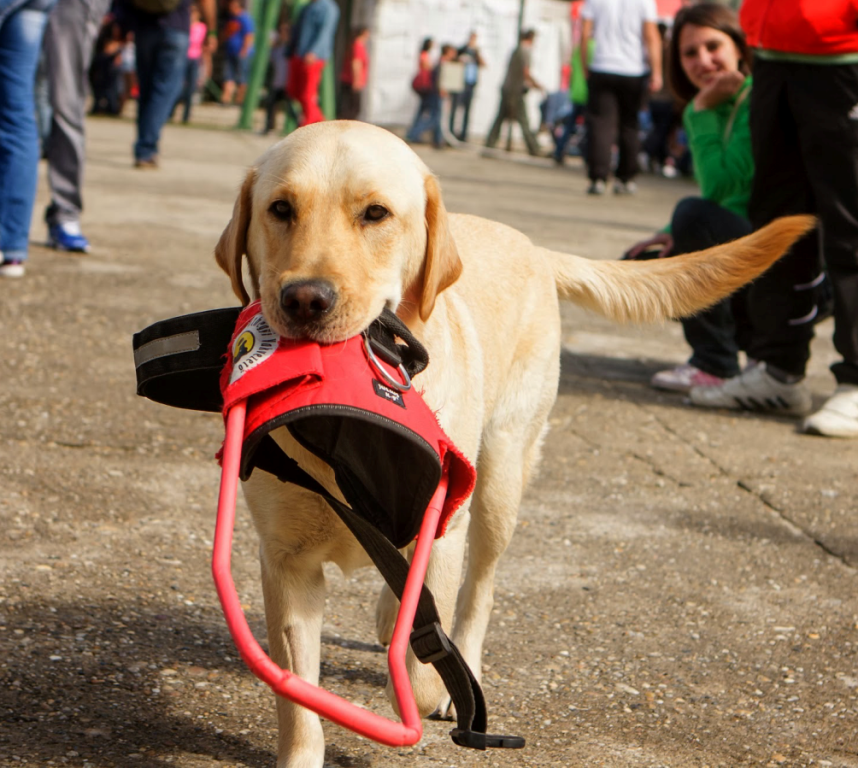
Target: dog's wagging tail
{"x": 649, "y": 291}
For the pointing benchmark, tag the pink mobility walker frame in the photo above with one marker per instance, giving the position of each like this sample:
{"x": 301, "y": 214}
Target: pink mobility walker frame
{"x": 283, "y": 682}
{"x": 353, "y": 405}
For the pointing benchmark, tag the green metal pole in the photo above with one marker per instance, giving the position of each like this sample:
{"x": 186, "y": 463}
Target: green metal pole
{"x": 268, "y": 14}
{"x": 327, "y": 91}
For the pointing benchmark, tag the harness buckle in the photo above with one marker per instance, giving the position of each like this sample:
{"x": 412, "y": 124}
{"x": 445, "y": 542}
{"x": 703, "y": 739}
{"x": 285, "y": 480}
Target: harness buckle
{"x": 477, "y": 740}
{"x": 430, "y": 643}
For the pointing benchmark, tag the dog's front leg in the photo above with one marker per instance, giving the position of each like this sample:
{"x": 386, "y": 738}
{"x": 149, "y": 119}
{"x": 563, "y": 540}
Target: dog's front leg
{"x": 442, "y": 578}
{"x": 294, "y": 590}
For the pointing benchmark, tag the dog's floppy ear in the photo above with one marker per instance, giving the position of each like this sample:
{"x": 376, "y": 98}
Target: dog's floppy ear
{"x": 442, "y": 265}
{"x": 233, "y": 242}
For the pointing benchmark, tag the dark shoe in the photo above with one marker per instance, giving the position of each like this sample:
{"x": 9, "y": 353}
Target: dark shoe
{"x": 597, "y": 187}
{"x": 149, "y": 163}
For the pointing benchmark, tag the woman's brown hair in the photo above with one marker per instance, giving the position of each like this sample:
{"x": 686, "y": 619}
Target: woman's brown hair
{"x": 712, "y": 15}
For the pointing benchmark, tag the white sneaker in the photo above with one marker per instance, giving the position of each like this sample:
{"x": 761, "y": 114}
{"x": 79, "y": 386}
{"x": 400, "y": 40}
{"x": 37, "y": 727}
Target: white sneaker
{"x": 755, "y": 390}
{"x": 11, "y": 268}
{"x": 838, "y": 417}
{"x": 625, "y": 188}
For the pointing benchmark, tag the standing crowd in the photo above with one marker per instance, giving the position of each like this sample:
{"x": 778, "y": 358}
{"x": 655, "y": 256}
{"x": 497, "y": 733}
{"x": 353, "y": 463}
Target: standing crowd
{"x": 763, "y": 110}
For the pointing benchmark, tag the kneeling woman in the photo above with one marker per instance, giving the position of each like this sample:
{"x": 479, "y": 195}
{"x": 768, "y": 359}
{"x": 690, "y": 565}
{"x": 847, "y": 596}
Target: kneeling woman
{"x": 708, "y": 65}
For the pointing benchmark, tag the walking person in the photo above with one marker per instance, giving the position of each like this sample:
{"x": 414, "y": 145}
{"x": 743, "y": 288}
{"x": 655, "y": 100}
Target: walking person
{"x": 517, "y": 82}
{"x": 22, "y": 25}
{"x": 627, "y": 47}
{"x": 577, "y": 91}
{"x": 430, "y": 110}
{"x": 237, "y": 42}
{"x": 353, "y": 78}
{"x": 69, "y": 46}
{"x": 311, "y": 48}
{"x": 196, "y": 49}
{"x": 161, "y": 49}
{"x": 804, "y": 133}
{"x": 279, "y": 77}
{"x": 469, "y": 54}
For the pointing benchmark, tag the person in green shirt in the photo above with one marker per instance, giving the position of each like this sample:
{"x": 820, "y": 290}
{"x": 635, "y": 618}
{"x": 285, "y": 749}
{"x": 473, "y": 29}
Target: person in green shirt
{"x": 578, "y": 97}
{"x": 708, "y": 65}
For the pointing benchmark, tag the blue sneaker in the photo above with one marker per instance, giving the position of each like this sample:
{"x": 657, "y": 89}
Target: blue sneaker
{"x": 67, "y": 237}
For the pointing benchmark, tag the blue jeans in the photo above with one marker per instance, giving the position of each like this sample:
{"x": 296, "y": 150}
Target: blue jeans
{"x": 461, "y": 101}
{"x": 21, "y": 28}
{"x": 161, "y": 58}
{"x": 189, "y": 88}
{"x": 428, "y": 117}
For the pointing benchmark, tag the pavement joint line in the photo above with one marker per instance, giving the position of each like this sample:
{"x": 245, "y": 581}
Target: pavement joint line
{"x": 795, "y": 527}
{"x": 780, "y": 514}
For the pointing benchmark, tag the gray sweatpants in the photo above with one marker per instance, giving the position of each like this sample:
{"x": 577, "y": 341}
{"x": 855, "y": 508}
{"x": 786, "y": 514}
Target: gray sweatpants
{"x": 68, "y": 48}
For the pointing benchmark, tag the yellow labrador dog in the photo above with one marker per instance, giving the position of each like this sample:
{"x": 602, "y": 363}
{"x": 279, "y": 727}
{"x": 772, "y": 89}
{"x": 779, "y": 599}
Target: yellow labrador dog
{"x": 340, "y": 220}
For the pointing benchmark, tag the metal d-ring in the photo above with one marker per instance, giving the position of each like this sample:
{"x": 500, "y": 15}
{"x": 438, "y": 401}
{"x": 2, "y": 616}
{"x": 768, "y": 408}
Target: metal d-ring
{"x": 376, "y": 363}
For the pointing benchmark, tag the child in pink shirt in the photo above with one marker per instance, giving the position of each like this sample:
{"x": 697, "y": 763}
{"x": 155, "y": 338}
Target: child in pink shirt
{"x": 196, "y": 45}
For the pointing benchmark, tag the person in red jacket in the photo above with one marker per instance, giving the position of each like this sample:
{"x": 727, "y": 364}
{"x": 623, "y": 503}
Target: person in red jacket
{"x": 804, "y": 138}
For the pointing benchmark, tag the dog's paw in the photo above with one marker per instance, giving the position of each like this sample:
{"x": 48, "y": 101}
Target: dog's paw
{"x": 386, "y": 611}
{"x": 445, "y": 710}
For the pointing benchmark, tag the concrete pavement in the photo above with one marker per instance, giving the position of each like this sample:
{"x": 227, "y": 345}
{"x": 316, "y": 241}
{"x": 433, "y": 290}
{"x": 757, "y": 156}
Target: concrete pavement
{"x": 681, "y": 590}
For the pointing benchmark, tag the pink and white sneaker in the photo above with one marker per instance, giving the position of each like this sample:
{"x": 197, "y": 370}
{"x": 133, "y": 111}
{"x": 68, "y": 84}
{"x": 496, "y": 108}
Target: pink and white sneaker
{"x": 683, "y": 378}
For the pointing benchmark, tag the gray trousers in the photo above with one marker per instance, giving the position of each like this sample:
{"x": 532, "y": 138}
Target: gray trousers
{"x": 513, "y": 108}
{"x": 68, "y": 48}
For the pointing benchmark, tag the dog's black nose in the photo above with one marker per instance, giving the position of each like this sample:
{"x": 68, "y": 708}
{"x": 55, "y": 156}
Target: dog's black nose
{"x": 307, "y": 300}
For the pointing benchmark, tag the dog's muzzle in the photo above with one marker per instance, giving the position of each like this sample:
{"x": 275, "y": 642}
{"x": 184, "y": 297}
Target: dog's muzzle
{"x": 352, "y": 404}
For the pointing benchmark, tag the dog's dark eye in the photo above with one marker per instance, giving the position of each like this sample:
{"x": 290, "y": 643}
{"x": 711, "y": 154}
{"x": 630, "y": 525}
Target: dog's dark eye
{"x": 375, "y": 213}
{"x": 282, "y": 210}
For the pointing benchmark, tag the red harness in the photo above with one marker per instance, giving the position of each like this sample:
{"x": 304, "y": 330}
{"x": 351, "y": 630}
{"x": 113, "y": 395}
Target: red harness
{"x": 352, "y": 405}
{"x": 351, "y": 409}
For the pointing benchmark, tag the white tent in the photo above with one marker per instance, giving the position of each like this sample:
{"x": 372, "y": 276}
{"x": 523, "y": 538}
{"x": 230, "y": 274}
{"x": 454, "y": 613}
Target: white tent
{"x": 398, "y": 28}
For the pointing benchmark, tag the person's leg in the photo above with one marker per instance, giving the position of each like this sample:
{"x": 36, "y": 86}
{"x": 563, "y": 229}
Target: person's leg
{"x": 630, "y": 91}
{"x": 166, "y": 55}
{"x": 271, "y": 101}
{"x": 467, "y": 96}
{"x": 829, "y": 149}
{"x": 435, "y": 116}
{"x": 712, "y": 335}
{"x": 192, "y": 73}
{"x": 230, "y": 75}
{"x": 310, "y": 92}
{"x": 20, "y": 44}
{"x": 455, "y": 102}
{"x": 241, "y": 82}
{"x": 69, "y": 39}
{"x": 495, "y": 131}
{"x": 780, "y": 315}
{"x": 421, "y": 120}
{"x": 524, "y": 122}
{"x": 602, "y": 111}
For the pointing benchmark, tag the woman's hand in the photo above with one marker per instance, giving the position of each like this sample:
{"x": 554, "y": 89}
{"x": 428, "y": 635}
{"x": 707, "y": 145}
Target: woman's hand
{"x": 662, "y": 239}
{"x": 722, "y": 87}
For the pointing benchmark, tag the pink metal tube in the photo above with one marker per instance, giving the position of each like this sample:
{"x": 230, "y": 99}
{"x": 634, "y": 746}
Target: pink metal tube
{"x": 282, "y": 681}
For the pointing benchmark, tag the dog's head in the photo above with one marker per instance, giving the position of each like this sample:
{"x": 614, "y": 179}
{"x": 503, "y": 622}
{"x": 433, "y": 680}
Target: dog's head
{"x": 338, "y": 221}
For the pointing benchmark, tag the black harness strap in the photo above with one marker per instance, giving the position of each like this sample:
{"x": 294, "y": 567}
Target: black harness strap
{"x": 428, "y": 640}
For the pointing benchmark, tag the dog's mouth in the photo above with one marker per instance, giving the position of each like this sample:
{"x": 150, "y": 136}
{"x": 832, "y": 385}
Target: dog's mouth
{"x": 314, "y": 310}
